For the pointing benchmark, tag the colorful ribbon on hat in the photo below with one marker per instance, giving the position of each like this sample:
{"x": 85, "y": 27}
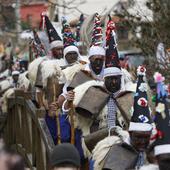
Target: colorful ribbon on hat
{"x": 110, "y": 28}
{"x": 161, "y": 92}
{"x": 42, "y": 22}
{"x": 158, "y": 135}
{"x": 97, "y": 31}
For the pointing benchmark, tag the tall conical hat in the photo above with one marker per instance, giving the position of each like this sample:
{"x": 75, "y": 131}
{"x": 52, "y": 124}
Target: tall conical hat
{"x": 112, "y": 58}
{"x": 97, "y": 40}
{"x": 141, "y": 119}
{"x": 68, "y": 37}
{"x": 81, "y": 19}
{"x": 54, "y": 39}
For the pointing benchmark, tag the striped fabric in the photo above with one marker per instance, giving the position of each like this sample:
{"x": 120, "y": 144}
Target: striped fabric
{"x": 140, "y": 161}
{"x": 111, "y": 112}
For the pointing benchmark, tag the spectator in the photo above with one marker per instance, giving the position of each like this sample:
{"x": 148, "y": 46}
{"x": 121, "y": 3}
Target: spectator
{"x": 65, "y": 157}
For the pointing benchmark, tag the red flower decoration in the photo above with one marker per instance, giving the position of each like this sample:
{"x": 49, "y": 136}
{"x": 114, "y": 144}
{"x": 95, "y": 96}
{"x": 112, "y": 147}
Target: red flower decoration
{"x": 142, "y": 102}
{"x": 158, "y": 135}
{"x": 142, "y": 69}
{"x": 110, "y": 27}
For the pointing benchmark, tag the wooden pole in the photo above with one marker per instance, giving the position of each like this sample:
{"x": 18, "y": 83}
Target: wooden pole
{"x": 71, "y": 113}
{"x": 57, "y": 117}
{"x": 30, "y": 51}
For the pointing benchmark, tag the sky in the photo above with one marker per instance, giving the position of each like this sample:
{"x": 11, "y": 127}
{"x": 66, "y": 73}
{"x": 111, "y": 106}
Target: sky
{"x": 90, "y": 7}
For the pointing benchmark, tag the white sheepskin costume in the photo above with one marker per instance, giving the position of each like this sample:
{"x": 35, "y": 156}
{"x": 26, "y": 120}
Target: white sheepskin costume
{"x": 149, "y": 167}
{"x": 72, "y": 70}
{"x": 81, "y": 89}
{"x": 96, "y": 50}
{"x": 23, "y": 81}
{"x": 33, "y": 68}
{"x": 5, "y": 84}
{"x": 84, "y": 123}
{"x": 51, "y": 68}
{"x": 70, "y": 48}
{"x": 127, "y": 84}
{"x": 5, "y": 73}
{"x": 61, "y": 62}
{"x": 102, "y": 148}
{"x": 56, "y": 43}
{"x": 81, "y": 122}
{"x": 5, "y": 97}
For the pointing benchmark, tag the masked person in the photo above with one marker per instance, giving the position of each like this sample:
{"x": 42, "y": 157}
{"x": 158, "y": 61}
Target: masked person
{"x": 71, "y": 58}
{"x": 97, "y": 61}
{"x": 15, "y": 77}
{"x": 91, "y": 71}
{"x": 56, "y": 56}
{"x": 113, "y": 85}
{"x": 131, "y": 151}
{"x": 57, "y": 51}
{"x": 140, "y": 127}
{"x": 65, "y": 157}
{"x": 71, "y": 55}
{"x": 71, "y": 51}
{"x": 108, "y": 118}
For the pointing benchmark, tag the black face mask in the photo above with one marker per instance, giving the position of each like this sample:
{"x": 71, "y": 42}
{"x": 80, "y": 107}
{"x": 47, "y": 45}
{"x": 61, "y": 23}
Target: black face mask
{"x": 97, "y": 65}
{"x": 15, "y": 78}
{"x": 140, "y": 141}
{"x": 113, "y": 83}
{"x": 71, "y": 57}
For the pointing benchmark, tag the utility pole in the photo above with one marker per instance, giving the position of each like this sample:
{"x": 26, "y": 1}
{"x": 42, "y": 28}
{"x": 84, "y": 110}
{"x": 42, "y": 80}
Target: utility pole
{"x": 18, "y": 19}
{"x": 64, "y": 8}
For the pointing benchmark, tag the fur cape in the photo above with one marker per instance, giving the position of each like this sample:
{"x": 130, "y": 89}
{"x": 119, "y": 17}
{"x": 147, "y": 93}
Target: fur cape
{"x": 51, "y": 68}
{"x": 102, "y": 148}
{"x": 70, "y": 72}
{"x": 5, "y": 97}
{"x": 33, "y": 68}
{"x": 5, "y": 84}
{"x": 81, "y": 122}
{"x": 149, "y": 167}
{"x": 127, "y": 84}
{"x": 48, "y": 68}
{"x": 4, "y": 73}
{"x": 23, "y": 81}
{"x": 81, "y": 90}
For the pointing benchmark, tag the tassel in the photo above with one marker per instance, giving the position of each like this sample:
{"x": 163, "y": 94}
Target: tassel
{"x": 42, "y": 22}
{"x": 111, "y": 112}
{"x": 110, "y": 29}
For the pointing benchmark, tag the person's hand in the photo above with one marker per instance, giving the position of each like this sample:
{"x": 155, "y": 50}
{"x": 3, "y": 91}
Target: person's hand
{"x": 53, "y": 107}
{"x": 70, "y": 95}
